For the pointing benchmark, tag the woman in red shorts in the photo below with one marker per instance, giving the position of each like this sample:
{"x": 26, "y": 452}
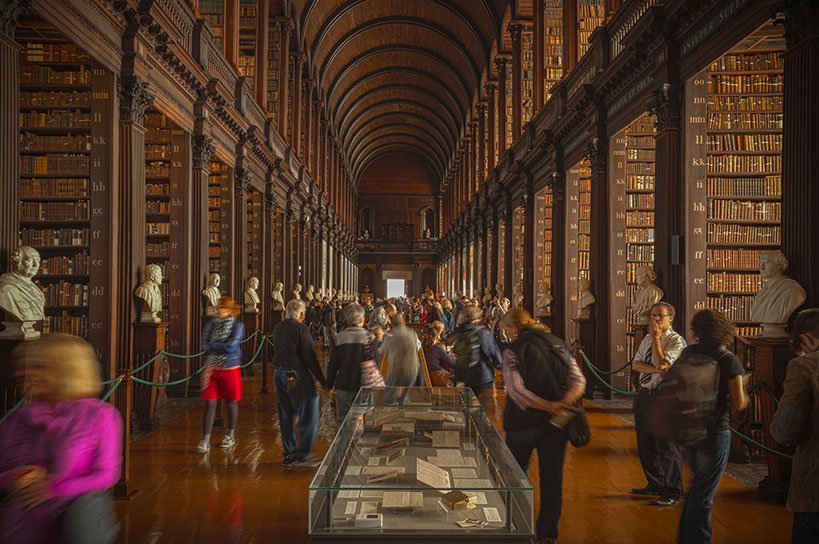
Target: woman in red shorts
{"x": 222, "y": 376}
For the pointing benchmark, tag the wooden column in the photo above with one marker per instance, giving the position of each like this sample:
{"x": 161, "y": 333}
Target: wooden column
{"x": 539, "y": 38}
{"x": 529, "y": 287}
{"x": 481, "y": 144}
{"x": 308, "y": 125}
{"x": 316, "y": 135}
{"x": 800, "y": 170}
{"x": 9, "y": 129}
{"x": 600, "y": 261}
{"x": 268, "y": 252}
{"x": 509, "y": 239}
{"x": 203, "y": 150}
{"x": 570, "y": 32}
{"x": 516, "y": 29}
{"x": 473, "y": 160}
{"x": 231, "y": 32}
{"x": 670, "y": 192}
{"x": 262, "y": 52}
{"x": 491, "y": 143}
{"x": 500, "y": 62}
{"x": 241, "y": 185}
{"x": 557, "y": 183}
{"x": 492, "y": 227}
{"x": 298, "y": 61}
{"x": 285, "y": 29}
{"x": 288, "y": 256}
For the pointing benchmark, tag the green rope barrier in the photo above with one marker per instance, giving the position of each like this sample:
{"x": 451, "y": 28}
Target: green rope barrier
{"x": 251, "y": 337}
{"x": 176, "y": 356}
{"x": 604, "y": 382}
{"x": 255, "y": 356}
{"x": 166, "y": 384}
{"x": 14, "y": 408}
{"x": 110, "y": 392}
{"x": 763, "y": 447}
{"x": 765, "y": 388}
{"x": 611, "y": 372}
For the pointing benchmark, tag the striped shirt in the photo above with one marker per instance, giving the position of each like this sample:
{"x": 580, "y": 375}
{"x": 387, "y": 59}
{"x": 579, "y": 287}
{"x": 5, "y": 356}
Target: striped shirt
{"x": 672, "y": 343}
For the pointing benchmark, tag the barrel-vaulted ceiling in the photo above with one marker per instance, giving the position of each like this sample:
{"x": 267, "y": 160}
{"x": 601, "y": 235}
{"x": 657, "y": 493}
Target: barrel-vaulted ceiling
{"x": 399, "y": 76}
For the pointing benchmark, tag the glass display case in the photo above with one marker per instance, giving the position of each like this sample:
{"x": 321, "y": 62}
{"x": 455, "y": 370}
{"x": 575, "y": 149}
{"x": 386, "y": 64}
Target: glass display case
{"x": 415, "y": 463}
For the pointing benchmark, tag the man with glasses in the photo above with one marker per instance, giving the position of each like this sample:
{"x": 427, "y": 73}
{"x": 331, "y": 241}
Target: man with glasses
{"x": 661, "y": 459}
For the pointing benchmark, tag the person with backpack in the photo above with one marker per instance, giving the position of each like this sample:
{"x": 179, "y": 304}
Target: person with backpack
{"x": 797, "y": 422}
{"x": 660, "y": 458}
{"x": 476, "y": 353}
{"x": 708, "y": 456}
{"x": 542, "y": 379}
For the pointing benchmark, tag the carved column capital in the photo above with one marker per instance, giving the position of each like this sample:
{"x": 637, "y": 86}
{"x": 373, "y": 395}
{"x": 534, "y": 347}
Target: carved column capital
{"x": 271, "y": 202}
{"x": 500, "y": 62}
{"x": 241, "y": 181}
{"x": 801, "y": 19}
{"x": 596, "y": 151}
{"x": 665, "y": 106}
{"x": 557, "y": 184}
{"x": 203, "y": 150}
{"x": 134, "y": 99}
{"x": 10, "y": 11}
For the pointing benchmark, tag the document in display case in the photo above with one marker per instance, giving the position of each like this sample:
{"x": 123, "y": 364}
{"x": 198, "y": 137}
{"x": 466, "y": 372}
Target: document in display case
{"x": 419, "y": 464}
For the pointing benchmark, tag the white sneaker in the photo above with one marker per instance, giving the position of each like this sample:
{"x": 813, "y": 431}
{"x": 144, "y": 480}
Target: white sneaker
{"x": 203, "y": 447}
{"x": 227, "y": 442}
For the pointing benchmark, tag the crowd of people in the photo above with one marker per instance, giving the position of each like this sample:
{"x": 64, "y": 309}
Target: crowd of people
{"x": 61, "y": 453}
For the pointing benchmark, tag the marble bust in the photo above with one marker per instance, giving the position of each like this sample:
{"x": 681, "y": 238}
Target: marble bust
{"x": 648, "y": 294}
{"x": 212, "y": 294}
{"x": 297, "y": 292}
{"x": 308, "y": 295}
{"x": 487, "y": 296}
{"x": 517, "y": 295}
{"x": 585, "y": 299}
{"x": 499, "y": 290}
{"x": 251, "y": 296}
{"x": 544, "y": 300}
{"x": 150, "y": 295}
{"x": 779, "y": 296}
{"x": 276, "y": 295}
{"x": 21, "y": 300}
{"x": 320, "y": 293}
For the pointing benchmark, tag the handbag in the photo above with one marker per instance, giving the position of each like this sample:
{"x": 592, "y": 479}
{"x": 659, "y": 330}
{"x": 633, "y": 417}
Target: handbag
{"x": 578, "y": 428}
{"x": 370, "y": 375}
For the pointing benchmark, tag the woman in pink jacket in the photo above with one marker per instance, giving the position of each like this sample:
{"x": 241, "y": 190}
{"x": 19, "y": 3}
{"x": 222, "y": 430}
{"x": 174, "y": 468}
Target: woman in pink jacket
{"x": 60, "y": 454}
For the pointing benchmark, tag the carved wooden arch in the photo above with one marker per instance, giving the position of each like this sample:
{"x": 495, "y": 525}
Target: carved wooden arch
{"x": 504, "y": 38}
{"x": 370, "y": 226}
{"x": 402, "y": 120}
{"x": 402, "y": 146}
{"x": 386, "y": 132}
{"x": 395, "y": 89}
{"x": 462, "y": 105}
{"x": 447, "y": 139}
{"x": 422, "y": 220}
{"x": 419, "y": 140}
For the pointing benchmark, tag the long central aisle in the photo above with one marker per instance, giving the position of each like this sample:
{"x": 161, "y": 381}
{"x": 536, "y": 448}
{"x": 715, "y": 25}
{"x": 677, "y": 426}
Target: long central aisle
{"x": 247, "y": 496}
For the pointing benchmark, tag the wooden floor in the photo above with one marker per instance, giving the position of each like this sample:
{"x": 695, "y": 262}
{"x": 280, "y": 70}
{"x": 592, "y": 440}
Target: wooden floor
{"x": 248, "y": 497}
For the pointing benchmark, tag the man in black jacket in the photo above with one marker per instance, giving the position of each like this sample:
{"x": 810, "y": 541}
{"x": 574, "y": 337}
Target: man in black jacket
{"x": 296, "y": 395}
{"x": 353, "y": 347}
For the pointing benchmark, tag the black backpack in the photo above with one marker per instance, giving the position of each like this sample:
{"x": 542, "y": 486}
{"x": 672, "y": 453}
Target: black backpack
{"x": 683, "y": 407}
{"x": 467, "y": 348}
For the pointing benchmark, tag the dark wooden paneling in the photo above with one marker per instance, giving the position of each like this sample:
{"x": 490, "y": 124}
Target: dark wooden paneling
{"x": 397, "y": 175}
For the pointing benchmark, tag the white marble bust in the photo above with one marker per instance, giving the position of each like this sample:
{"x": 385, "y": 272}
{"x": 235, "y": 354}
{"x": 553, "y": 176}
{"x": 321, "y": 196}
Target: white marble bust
{"x": 308, "y": 295}
{"x": 779, "y": 296}
{"x": 487, "y": 297}
{"x": 21, "y": 300}
{"x": 517, "y": 295}
{"x": 150, "y": 295}
{"x": 320, "y": 293}
{"x": 544, "y": 300}
{"x": 499, "y": 290}
{"x": 585, "y": 299}
{"x": 278, "y": 298}
{"x": 212, "y": 294}
{"x": 648, "y": 294}
{"x": 251, "y": 296}
{"x": 296, "y": 292}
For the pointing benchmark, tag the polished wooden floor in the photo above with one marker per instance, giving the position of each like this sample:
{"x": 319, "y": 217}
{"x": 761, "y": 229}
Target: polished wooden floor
{"x": 248, "y": 497}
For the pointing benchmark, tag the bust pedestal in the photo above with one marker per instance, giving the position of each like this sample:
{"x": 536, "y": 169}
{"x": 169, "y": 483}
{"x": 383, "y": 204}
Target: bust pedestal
{"x": 251, "y": 322}
{"x": 583, "y": 330}
{"x": 149, "y": 339}
{"x": 771, "y": 357}
{"x": 11, "y": 388}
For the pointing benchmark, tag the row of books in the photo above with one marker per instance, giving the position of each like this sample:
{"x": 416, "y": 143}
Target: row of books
{"x": 745, "y": 103}
{"x": 55, "y": 119}
{"x": 639, "y": 219}
{"x": 744, "y": 142}
{"x": 54, "y": 211}
{"x": 158, "y": 152}
{"x": 733, "y": 258}
{"x": 743, "y": 210}
{"x": 744, "y": 163}
{"x": 157, "y": 189}
{"x": 214, "y": 202}
{"x": 737, "y": 308}
{"x": 643, "y": 236}
{"x": 34, "y": 74}
{"x": 157, "y": 249}
{"x": 158, "y": 134}
{"x": 67, "y": 323}
{"x": 643, "y": 168}
{"x": 161, "y": 229}
{"x": 640, "y": 155}
{"x": 640, "y": 182}
{"x": 65, "y": 264}
{"x": 640, "y": 141}
{"x": 157, "y": 169}
{"x": 157, "y": 206}
{"x": 65, "y": 293}
{"x": 64, "y": 99}
{"x": 54, "y": 237}
{"x": 750, "y": 186}
{"x": 734, "y": 282}
{"x": 54, "y": 164}
{"x": 751, "y": 83}
{"x": 53, "y": 52}
{"x": 65, "y": 143}
{"x": 214, "y": 215}
{"x": 750, "y": 62}
{"x": 744, "y": 121}
{"x": 54, "y": 188}
{"x": 640, "y": 253}
{"x": 724, "y": 233}
{"x": 640, "y": 200}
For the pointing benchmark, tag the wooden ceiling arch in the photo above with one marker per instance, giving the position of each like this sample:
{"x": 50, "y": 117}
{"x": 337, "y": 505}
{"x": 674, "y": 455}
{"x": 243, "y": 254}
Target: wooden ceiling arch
{"x": 399, "y": 76}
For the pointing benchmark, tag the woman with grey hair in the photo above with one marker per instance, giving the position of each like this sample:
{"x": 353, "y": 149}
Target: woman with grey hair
{"x": 351, "y": 353}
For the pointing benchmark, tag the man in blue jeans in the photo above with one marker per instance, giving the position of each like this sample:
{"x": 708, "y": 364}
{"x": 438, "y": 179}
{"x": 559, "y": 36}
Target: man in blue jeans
{"x": 296, "y": 395}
